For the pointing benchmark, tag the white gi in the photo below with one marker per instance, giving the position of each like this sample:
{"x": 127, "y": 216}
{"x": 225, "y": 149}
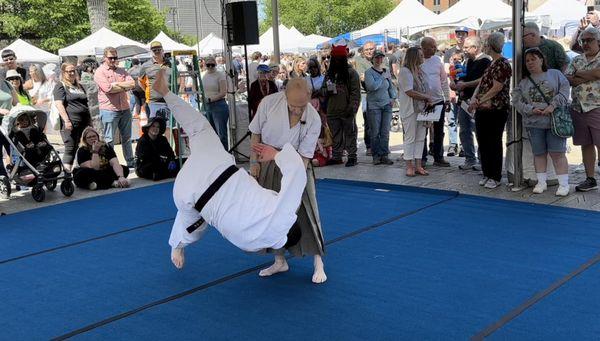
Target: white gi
{"x": 246, "y": 214}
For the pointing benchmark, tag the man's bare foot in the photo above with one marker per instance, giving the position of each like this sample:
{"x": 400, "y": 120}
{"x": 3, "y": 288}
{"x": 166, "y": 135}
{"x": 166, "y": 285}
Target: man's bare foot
{"x": 319, "y": 275}
{"x": 177, "y": 257}
{"x": 280, "y": 265}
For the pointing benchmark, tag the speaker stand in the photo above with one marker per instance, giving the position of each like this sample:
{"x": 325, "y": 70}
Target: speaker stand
{"x": 248, "y": 133}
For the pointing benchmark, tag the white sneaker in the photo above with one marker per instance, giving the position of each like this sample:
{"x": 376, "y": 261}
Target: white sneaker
{"x": 540, "y": 187}
{"x": 562, "y": 191}
{"x": 580, "y": 168}
{"x": 491, "y": 183}
{"x": 483, "y": 181}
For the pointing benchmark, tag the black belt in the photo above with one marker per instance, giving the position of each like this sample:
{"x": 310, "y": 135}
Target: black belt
{"x": 209, "y": 193}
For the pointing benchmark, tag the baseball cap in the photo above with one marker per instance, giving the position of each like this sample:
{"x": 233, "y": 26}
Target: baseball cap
{"x": 155, "y": 44}
{"x": 262, "y": 68}
{"x": 378, "y": 53}
{"x": 461, "y": 29}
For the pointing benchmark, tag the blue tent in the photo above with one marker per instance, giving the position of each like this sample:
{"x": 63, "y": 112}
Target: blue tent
{"x": 377, "y": 38}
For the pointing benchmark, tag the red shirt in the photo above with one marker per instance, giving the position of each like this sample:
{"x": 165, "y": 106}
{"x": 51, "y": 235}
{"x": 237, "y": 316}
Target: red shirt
{"x": 104, "y": 77}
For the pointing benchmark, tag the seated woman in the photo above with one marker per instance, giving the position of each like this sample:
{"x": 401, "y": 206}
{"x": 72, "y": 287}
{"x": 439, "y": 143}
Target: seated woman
{"x": 155, "y": 159}
{"x": 99, "y": 167}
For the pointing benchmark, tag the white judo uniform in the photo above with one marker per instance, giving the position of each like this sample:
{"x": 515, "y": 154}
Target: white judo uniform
{"x": 248, "y": 215}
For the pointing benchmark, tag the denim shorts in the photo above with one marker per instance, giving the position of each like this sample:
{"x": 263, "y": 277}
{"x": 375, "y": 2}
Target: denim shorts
{"x": 544, "y": 141}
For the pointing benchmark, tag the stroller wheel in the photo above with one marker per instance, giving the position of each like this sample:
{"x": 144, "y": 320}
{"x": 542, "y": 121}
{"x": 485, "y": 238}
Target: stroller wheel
{"x": 67, "y": 188}
{"x": 4, "y": 187}
{"x": 38, "y": 193}
{"x": 50, "y": 185}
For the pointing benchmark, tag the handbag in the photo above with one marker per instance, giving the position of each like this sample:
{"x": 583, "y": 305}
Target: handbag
{"x": 561, "y": 123}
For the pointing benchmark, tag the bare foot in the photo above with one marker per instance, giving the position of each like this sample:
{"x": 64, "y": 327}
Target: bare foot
{"x": 177, "y": 257}
{"x": 278, "y": 266}
{"x": 319, "y": 275}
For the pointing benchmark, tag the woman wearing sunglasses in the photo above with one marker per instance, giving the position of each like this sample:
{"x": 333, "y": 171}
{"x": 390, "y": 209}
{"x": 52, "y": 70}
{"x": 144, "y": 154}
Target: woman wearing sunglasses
{"x": 215, "y": 90}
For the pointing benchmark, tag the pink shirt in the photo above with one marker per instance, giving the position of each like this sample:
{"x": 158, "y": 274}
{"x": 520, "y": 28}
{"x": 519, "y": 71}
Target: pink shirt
{"x": 104, "y": 77}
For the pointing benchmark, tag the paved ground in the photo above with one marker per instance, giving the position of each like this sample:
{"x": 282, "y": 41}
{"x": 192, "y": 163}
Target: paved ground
{"x": 450, "y": 178}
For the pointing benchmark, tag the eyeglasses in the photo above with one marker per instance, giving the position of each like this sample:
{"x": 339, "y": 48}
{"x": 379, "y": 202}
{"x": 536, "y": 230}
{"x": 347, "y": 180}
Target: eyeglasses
{"x": 586, "y": 41}
{"x": 210, "y": 65}
{"x": 9, "y": 59}
{"x": 112, "y": 58}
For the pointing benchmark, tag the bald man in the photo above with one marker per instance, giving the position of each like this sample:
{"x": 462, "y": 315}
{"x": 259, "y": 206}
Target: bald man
{"x": 211, "y": 190}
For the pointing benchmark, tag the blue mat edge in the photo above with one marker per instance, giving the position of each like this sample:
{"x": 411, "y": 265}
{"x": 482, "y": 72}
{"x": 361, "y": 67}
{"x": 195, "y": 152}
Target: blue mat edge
{"x": 382, "y": 185}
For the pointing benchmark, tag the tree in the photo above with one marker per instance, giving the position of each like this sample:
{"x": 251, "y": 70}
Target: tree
{"x": 327, "y": 17}
{"x": 56, "y": 24}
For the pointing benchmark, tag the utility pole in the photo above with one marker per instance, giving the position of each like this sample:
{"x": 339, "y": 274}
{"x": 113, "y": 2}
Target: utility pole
{"x": 275, "y": 27}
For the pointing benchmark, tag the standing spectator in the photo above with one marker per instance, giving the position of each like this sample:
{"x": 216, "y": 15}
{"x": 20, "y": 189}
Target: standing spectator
{"x": 8, "y": 99}
{"x": 363, "y": 62}
{"x": 437, "y": 79}
{"x": 414, "y": 99}
{"x": 381, "y": 94}
{"x": 15, "y": 79}
{"x": 137, "y": 93}
{"x": 10, "y": 63}
{"x": 552, "y": 50}
{"x": 583, "y": 74}
{"x": 87, "y": 69}
{"x": 394, "y": 66}
{"x": 99, "y": 167}
{"x": 113, "y": 84}
{"x": 42, "y": 88}
{"x": 452, "y": 57}
{"x": 155, "y": 160}
{"x": 146, "y": 79}
{"x": 215, "y": 90}
{"x": 261, "y": 88}
{"x": 72, "y": 104}
{"x": 491, "y": 103}
{"x": 252, "y": 66}
{"x": 221, "y": 64}
{"x": 477, "y": 63}
{"x": 591, "y": 18}
{"x": 282, "y": 77}
{"x": 535, "y": 98}
{"x": 342, "y": 90}
{"x": 298, "y": 68}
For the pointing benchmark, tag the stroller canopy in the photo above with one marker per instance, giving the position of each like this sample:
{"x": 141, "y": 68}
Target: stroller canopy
{"x": 8, "y": 122}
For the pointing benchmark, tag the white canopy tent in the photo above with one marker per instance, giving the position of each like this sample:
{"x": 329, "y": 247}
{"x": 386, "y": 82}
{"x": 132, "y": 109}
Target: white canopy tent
{"x": 561, "y": 12}
{"x": 96, "y": 42}
{"x": 315, "y": 39}
{"x": 169, "y": 44}
{"x": 290, "y": 41}
{"x": 211, "y": 44}
{"x": 31, "y": 54}
{"x": 408, "y": 14}
{"x": 479, "y": 9}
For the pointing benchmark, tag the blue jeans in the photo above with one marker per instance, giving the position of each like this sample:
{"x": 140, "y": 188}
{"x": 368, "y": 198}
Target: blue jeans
{"x": 121, "y": 121}
{"x": 467, "y": 128}
{"x": 380, "y": 120}
{"x": 452, "y": 124}
{"x": 217, "y": 114}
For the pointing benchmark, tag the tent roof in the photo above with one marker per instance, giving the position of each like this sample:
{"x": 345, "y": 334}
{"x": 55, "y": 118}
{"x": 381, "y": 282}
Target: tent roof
{"x": 408, "y": 13}
{"x": 290, "y": 40}
{"x": 480, "y": 9}
{"x": 561, "y": 11}
{"x": 97, "y": 41}
{"x": 169, "y": 44}
{"x": 209, "y": 45}
{"x": 29, "y": 53}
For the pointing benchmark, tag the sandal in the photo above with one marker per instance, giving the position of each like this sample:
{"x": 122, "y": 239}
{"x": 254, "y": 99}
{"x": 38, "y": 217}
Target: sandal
{"x": 421, "y": 171}
{"x": 410, "y": 172}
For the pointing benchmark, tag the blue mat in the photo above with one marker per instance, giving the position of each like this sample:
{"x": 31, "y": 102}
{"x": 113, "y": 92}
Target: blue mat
{"x": 443, "y": 273}
{"x": 48, "y": 227}
{"x": 570, "y": 313}
{"x": 74, "y": 286}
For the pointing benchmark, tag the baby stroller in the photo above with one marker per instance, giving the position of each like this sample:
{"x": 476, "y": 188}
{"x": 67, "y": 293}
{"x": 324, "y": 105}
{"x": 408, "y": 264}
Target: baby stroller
{"x": 34, "y": 165}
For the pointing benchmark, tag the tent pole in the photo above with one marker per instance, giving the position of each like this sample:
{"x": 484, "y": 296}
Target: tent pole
{"x": 275, "y": 26}
{"x": 516, "y": 122}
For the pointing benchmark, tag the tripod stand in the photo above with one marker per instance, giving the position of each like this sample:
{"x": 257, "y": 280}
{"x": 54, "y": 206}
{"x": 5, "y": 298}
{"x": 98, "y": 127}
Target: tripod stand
{"x": 233, "y": 149}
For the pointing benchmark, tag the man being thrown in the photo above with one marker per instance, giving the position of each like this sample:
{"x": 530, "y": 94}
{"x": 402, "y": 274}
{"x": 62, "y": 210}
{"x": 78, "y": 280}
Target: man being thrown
{"x": 211, "y": 190}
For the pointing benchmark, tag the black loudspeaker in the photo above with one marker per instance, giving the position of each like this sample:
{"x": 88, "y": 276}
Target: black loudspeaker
{"x": 242, "y": 23}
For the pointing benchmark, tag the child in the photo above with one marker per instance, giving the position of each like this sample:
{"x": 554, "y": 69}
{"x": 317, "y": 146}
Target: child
{"x": 30, "y": 139}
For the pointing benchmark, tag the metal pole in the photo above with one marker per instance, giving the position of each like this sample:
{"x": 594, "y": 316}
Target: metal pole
{"x": 275, "y": 26}
{"x": 516, "y": 123}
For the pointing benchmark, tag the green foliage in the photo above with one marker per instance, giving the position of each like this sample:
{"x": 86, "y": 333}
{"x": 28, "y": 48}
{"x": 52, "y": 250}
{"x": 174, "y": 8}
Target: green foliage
{"x": 58, "y": 23}
{"x": 326, "y": 17}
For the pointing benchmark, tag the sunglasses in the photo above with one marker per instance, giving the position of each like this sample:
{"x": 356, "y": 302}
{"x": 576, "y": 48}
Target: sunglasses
{"x": 211, "y": 65}
{"x": 8, "y": 59}
{"x": 13, "y": 79}
{"x": 70, "y": 71}
{"x": 157, "y": 49}
{"x": 112, "y": 58}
